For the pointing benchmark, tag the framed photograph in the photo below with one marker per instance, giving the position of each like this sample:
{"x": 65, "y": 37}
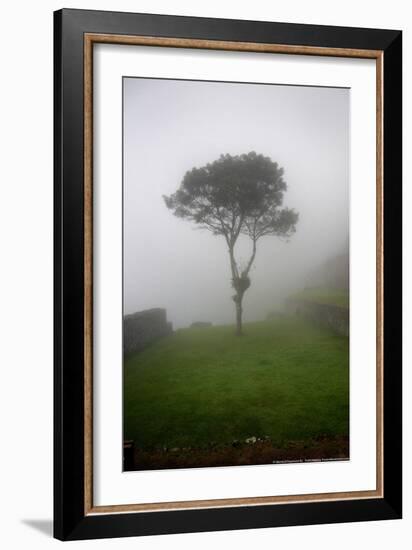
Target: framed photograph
{"x": 228, "y": 274}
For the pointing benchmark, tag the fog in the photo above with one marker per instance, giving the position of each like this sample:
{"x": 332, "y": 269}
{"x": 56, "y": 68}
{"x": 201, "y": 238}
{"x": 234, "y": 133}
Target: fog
{"x": 171, "y": 126}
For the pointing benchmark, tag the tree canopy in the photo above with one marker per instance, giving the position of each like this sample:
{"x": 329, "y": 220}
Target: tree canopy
{"x": 234, "y": 195}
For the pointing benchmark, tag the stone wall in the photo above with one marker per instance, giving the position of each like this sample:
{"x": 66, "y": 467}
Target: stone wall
{"x": 334, "y": 317}
{"x": 144, "y": 327}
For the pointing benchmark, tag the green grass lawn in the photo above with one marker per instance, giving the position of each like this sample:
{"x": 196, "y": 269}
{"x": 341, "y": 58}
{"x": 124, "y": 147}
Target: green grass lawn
{"x": 333, "y": 297}
{"x": 284, "y": 379}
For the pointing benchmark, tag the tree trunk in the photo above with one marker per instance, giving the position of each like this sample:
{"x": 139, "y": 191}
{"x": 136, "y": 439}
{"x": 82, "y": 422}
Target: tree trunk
{"x": 239, "y": 312}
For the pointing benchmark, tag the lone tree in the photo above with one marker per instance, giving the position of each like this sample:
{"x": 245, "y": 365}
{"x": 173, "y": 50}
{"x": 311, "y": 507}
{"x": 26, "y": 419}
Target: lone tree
{"x": 232, "y": 196}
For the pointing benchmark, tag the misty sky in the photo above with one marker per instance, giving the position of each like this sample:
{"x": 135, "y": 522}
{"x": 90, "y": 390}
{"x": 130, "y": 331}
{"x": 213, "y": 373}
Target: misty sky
{"x": 170, "y": 126}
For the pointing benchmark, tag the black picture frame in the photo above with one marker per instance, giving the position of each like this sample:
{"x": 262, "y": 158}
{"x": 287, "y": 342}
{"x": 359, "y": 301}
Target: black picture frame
{"x": 70, "y": 519}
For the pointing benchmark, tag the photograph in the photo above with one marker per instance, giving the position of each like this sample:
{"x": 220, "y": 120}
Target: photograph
{"x": 227, "y": 273}
{"x": 236, "y": 256}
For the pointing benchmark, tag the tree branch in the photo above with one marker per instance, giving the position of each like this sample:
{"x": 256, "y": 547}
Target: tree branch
{"x": 245, "y": 272}
{"x": 233, "y": 264}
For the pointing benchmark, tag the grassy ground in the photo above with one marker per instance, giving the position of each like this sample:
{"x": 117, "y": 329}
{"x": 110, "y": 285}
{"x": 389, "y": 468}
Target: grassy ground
{"x": 284, "y": 379}
{"x": 334, "y": 297}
